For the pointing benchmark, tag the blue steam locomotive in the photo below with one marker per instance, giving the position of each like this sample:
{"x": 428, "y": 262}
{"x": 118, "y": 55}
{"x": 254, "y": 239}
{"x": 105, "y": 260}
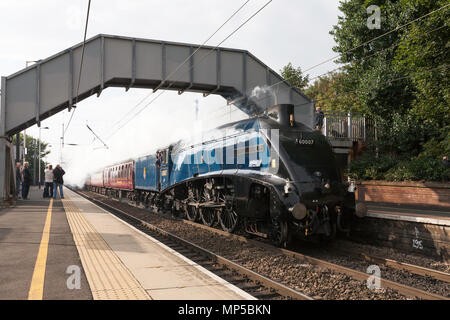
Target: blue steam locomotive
{"x": 271, "y": 175}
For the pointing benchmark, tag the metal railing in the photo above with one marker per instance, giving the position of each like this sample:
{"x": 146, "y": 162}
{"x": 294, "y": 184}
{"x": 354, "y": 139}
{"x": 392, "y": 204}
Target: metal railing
{"x": 348, "y": 126}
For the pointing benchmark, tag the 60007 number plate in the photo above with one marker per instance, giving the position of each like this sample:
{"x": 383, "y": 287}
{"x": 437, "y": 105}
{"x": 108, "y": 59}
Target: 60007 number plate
{"x": 307, "y": 142}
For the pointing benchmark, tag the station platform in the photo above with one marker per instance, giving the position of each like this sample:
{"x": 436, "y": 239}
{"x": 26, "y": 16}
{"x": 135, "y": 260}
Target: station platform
{"x": 409, "y": 229}
{"x": 72, "y": 249}
{"x": 419, "y": 215}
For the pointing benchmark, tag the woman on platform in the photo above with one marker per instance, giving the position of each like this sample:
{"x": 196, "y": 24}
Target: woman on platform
{"x": 48, "y": 189}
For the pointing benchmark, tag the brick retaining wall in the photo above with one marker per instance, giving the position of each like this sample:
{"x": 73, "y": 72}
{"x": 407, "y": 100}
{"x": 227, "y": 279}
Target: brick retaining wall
{"x": 429, "y": 194}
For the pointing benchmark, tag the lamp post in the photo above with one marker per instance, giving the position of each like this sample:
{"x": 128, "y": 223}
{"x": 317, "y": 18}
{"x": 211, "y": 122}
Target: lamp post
{"x": 39, "y": 155}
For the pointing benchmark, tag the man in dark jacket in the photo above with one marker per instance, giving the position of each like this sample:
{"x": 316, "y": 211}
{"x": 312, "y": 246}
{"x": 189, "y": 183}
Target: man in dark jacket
{"x": 318, "y": 118}
{"x": 26, "y": 180}
{"x": 58, "y": 181}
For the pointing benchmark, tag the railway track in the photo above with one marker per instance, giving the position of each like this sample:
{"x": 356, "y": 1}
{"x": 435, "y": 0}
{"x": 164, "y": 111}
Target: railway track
{"x": 419, "y": 270}
{"x": 357, "y": 275}
{"x": 251, "y": 282}
{"x": 354, "y": 274}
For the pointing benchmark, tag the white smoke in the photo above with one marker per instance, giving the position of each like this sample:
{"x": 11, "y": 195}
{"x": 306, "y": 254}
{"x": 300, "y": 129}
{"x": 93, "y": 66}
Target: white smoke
{"x": 264, "y": 96}
{"x": 170, "y": 119}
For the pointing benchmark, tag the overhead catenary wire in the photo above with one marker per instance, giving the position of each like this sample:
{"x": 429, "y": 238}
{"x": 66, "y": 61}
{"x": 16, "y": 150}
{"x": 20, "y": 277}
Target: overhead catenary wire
{"x": 320, "y": 75}
{"x": 181, "y": 64}
{"x": 363, "y": 44}
{"x": 376, "y": 38}
{"x": 154, "y": 99}
{"x": 97, "y": 136}
{"x": 345, "y": 92}
{"x": 81, "y": 64}
{"x": 334, "y": 57}
{"x": 373, "y": 54}
{"x": 382, "y": 83}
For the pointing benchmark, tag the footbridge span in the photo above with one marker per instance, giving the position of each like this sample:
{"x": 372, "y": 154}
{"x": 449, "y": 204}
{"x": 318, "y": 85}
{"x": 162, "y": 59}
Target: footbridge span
{"x": 49, "y": 86}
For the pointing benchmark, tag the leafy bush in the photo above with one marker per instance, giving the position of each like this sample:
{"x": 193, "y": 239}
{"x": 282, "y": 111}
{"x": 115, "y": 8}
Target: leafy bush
{"x": 409, "y": 150}
{"x": 368, "y": 167}
{"x": 423, "y": 167}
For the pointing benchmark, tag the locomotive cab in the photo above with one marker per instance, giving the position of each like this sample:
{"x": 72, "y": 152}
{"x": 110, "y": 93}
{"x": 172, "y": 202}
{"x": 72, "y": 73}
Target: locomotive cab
{"x": 316, "y": 200}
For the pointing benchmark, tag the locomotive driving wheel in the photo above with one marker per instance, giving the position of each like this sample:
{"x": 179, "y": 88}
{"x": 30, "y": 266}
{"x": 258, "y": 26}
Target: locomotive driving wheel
{"x": 280, "y": 233}
{"x": 228, "y": 218}
{"x": 208, "y": 216}
{"x": 191, "y": 209}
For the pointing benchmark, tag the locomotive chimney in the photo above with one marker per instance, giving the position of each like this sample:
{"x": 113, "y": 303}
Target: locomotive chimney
{"x": 283, "y": 114}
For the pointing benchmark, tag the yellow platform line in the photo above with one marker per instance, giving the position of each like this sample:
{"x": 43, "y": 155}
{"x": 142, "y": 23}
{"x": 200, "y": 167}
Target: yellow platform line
{"x": 108, "y": 277}
{"x": 36, "y": 291}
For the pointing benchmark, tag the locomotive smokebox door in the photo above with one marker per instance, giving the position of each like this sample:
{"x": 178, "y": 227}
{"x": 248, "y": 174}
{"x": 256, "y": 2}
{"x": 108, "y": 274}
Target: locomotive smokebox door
{"x": 283, "y": 114}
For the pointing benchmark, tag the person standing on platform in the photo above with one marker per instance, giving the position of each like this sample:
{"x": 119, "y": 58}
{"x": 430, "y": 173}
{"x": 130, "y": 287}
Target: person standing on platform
{"x": 58, "y": 181}
{"x": 26, "y": 180}
{"x": 318, "y": 118}
{"x": 48, "y": 189}
{"x": 18, "y": 179}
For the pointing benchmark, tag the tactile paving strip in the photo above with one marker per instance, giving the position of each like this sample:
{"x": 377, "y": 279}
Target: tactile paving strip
{"x": 108, "y": 277}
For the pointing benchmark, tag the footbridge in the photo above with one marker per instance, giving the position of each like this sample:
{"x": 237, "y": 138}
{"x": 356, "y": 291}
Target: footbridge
{"x": 49, "y": 86}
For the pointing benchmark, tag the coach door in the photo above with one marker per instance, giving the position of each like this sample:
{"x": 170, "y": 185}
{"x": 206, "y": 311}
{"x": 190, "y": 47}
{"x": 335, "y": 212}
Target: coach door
{"x": 164, "y": 170}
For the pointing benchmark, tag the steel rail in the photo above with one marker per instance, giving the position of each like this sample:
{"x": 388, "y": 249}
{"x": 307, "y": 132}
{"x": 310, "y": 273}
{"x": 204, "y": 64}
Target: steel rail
{"x": 356, "y": 275}
{"x": 419, "y": 270}
{"x": 281, "y": 289}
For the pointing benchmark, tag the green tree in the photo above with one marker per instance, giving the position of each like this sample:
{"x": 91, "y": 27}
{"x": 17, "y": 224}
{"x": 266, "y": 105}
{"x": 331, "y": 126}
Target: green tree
{"x": 400, "y": 79}
{"x": 423, "y": 56}
{"x": 295, "y": 76}
{"x": 32, "y": 154}
{"x": 369, "y": 68}
{"x": 329, "y": 92}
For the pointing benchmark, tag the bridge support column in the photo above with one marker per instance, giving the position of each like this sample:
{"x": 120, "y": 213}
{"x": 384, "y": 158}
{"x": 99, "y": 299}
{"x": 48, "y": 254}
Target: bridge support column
{"x": 7, "y": 179}
{"x": 2, "y": 170}
{"x": 7, "y": 173}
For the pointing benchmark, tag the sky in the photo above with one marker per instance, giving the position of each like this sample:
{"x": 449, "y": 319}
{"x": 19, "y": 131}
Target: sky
{"x": 295, "y": 31}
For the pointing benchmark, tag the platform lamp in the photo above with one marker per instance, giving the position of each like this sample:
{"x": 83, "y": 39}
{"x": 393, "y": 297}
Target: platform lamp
{"x": 39, "y": 155}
